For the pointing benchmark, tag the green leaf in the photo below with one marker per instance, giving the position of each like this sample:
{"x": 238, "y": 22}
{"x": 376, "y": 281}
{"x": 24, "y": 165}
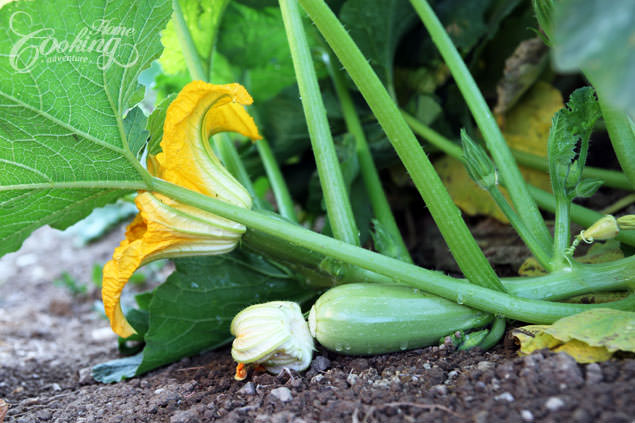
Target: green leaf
{"x": 571, "y": 126}
{"x": 263, "y": 65}
{"x": 598, "y": 39}
{"x": 465, "y": 21}
{"x": 117, "y": 370}
{"x": 64, "y": 146}
{"x": 192, "y": 310}
{"x": 155, "y": 125}
{"x": 202, "y": 19}
{"x": 100, "y": 221}
{"x": 377, "y": 27}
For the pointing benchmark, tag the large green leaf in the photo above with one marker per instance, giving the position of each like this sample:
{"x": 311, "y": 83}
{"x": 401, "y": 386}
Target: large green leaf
{"x": 202, "y": 18}
{"x": 254, "y": 45}
{"x": 377, "y": 27}
{"x": 65, "y": 147}
{"x": 597, "y": 37}
{"x": 192, "y": 310}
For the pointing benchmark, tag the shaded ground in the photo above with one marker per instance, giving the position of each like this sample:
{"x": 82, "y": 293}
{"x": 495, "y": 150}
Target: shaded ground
{"x": 49, "y": 339}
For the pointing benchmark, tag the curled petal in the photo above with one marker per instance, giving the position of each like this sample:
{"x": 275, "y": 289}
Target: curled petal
{"x": 163, "y": 228}
{"x": 187, "y": 159}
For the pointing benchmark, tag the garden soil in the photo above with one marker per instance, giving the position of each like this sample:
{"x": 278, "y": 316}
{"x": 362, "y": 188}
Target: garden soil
{"x": 50, "y": 339}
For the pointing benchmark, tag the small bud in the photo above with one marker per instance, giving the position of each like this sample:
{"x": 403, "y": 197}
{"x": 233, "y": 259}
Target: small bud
{"x": 603, "y": 229}
{"x": 274, "y": 335}
{"x": 626, "y": 222}
{"x": 587, "y": 187}
{"x": 478, "y": 164}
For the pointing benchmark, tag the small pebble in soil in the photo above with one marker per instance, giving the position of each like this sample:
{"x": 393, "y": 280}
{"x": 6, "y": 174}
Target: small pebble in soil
{"x": 581, "y": 416}
{"x": 441, "y": 390}
{"x": 593, "y": 374}
{"x": 248, "y": 389}
{"x": 320, "y": 363}
{"x": 282, "y": 394}
{"x": 527, "y": 415}
{"x": 352, "y": 379}
{"x": 485, "y": 365}
{"x": 186, "y": 416}
{"x": 505, "y": 396}
{"x": 554, "y": 404}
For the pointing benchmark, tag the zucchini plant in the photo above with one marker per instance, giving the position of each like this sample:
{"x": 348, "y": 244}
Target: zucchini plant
{"x": 79, "y": 130}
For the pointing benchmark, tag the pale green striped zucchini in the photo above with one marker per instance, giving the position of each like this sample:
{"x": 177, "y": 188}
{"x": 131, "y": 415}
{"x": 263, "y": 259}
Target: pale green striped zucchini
{"x": 365, "y": 319}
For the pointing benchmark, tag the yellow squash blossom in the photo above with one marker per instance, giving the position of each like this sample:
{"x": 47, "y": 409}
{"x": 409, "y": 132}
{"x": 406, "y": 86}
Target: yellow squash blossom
{"x": 165, "y": 228}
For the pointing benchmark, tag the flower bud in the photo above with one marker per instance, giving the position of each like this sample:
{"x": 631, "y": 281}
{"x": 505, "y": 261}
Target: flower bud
{"x": 626, "y": 222}
{"x": 274, "y": 335}
{"x": 478, "y": 164}
{"x": 603, "y": 229}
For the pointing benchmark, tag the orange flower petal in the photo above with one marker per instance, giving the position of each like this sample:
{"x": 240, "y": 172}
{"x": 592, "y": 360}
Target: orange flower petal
{"x": 163, "y": 228}
{"x": 187, "y": 159}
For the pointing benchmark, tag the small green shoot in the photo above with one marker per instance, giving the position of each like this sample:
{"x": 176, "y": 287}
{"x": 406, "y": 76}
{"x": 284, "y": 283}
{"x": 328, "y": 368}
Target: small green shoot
{"x": 67, "y": 281}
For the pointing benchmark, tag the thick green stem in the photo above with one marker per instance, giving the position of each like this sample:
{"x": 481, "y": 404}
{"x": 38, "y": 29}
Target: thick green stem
{"x": 192, "y": 58}
{"x": 278, "y": 184}
{"x": 496, "y": 332}
{"x": 447, "y": 216}
{"x": 577, "y": 280}
{"x": 543, "y": 257}
{"x": 580, "y": 215}
{"x": 491, "y": 301}
{"x": 496, "y": 144}
{"x": 622, "y": 133}
{"x": 561, "y": 232}
{"x": 580, "y": 279}
{"x": 338, "y": 206}
{"x": 372, "y": 182}
{"x": 611, "y": 178}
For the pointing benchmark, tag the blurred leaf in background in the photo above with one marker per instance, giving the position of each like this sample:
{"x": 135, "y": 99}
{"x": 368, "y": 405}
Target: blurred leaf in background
{"x": 377, "y": 28}
{"x": 597, "y": 37}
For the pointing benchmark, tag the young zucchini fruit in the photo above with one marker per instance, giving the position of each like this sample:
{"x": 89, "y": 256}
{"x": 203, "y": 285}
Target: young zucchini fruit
{"x": 366, "y": 319}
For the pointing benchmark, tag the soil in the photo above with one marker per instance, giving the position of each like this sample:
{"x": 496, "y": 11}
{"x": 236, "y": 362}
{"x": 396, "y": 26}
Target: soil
{"x": 50, "y": 338}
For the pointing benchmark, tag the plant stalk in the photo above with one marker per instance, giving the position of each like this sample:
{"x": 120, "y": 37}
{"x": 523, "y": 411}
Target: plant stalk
{"x": 543, "y": 257}
{"x": 447, "y": 216}
{"x": 192, "y": 58}
{"x": 338, "y": 207}
{"x": 546, "y": 201}
{"x": 491, "y": 301}
{"x": 372, "y": 182}
{"x": 278, "y": 184}
{"x": 496, "y": 144}
{"x": 561, "y": 232}
{"x": 622, "y": 134}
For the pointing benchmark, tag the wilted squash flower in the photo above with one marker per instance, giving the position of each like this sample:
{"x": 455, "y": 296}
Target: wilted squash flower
{"x": 165, "y": 228}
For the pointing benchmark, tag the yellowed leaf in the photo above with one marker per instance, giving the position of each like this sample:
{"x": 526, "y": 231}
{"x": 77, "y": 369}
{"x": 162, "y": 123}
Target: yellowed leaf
{"x": 470, "y": 198}
{"x": 526, "y": 128}
{"x": 531, "y": 267}
{"x": 591, "y": 336}
{"x": 584, "y": 353}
